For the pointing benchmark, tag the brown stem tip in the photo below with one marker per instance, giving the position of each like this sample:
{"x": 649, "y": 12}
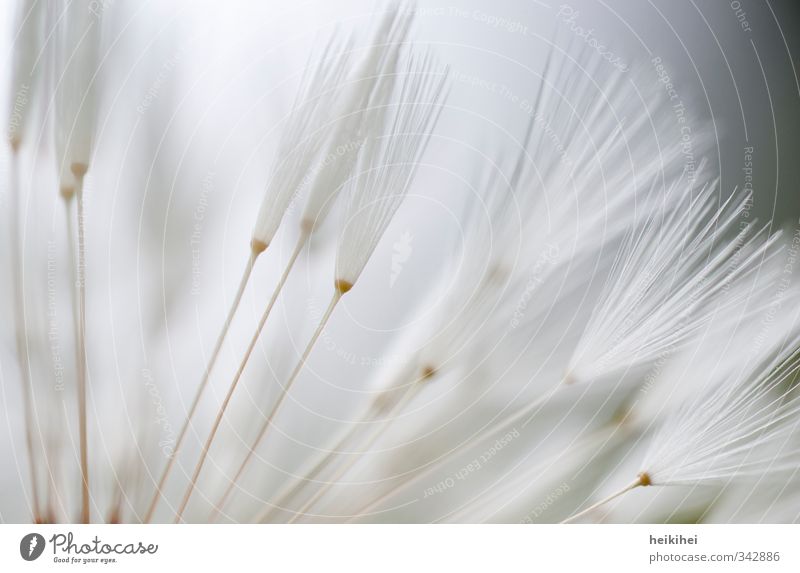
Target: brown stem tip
{"x": 79, "y": 169}
{"x": 644, "y": 479}
{"x": 428, "y": 372}
{"x": 342, "y": 286}
{"x": 258, "y": 246}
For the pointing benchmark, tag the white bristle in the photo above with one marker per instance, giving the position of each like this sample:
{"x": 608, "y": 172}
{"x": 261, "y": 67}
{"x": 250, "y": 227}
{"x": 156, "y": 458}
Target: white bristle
{"x": 26, "y": 66}
{"x": 367, "y": 86}
{"x": 77, "y": 82}
{"x": 672, "y": 266}
{"x": 388, "y": 162}
{"x": 306, "y": 130}
{"x": 739, "y": 426}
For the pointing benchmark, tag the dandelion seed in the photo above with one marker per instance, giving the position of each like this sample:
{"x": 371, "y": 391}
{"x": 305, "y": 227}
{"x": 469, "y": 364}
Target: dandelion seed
{"x": 506, "y": 278}
{"x": 77, "y": 69}
{"x": 386, "y": 166}
{"x": 733, "y": 429}
{"x": 299, "y": 144}
{"x": 303, "y": 136}
{"x": 738, "y": 427}
{"x": 77, "y": 39}
{"x": 664, "y": 281}
{"x": 25, "y": 69}
{"x": 334, "y": 145}
{"x": 366, "y": 85}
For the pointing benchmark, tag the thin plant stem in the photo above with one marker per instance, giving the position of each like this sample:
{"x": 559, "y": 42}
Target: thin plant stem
{"x": 115, "y": 511}
{"x": 254, "y": 252}
{"x": 501, "y": 424}
{"x": 80, "y": 171}
{"x": 641, "y": 480}
{"x": 67, "y": 195}
{"x": 20, "y": 328}
{"x": 337, "y": 295}
{"x": 343, "y": 469}
{"x": 253, "y": 341}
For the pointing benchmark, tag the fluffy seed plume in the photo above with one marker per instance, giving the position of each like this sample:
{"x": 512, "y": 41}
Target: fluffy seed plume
{"x": 25, "y": 67}
{"x": 387, "y": 164}
{"x": 77, "y": 51}
{"x": 670, "y": 270}
{"x": 368, "y": 86}
{"x": 742, "y": 426}
{"x": 386, "y": 167}
{"x": 338, "y": 143}
{"x": 77, "y": 41}
{"x": 306, "y": 130}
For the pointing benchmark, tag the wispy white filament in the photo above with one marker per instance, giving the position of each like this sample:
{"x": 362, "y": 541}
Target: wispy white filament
{"x": 307, "y": 128}
{"x": 77, "y": 51}
{"x": 392, "y": 158}
{"x": 25, "y": 67}
{"x": 368, "y": 86}
{"x": 663, "y": 284}
{"x": 387, "y": 164}
{"x": 740, "y": 426}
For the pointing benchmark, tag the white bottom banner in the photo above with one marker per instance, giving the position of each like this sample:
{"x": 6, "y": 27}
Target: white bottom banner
{"x": 355, "y": 548}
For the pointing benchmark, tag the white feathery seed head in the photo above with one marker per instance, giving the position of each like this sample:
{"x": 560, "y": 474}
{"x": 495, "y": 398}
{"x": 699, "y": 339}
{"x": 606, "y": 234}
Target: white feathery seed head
{"x": 27, "y": 46}
{"x": 739, "y": 426}
{"x": 77, "y": 46}
{"x": 592, "y": 164}
{"x": 306, "y": 130}
{"x": 365, "y": 87}
{"x": 666, "y": 280}
{"x": 388, "y": 162}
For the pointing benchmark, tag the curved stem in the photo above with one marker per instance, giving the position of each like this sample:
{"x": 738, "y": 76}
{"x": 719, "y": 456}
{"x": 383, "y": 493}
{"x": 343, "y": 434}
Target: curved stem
{"x": 81, "y": 367}
{"x": 337, "y": 295}
{"x": 215, "y": 427}
{"x": 20, "y": 329}
{"x": 640, "y": 481}
{"x": 203, "y": 383}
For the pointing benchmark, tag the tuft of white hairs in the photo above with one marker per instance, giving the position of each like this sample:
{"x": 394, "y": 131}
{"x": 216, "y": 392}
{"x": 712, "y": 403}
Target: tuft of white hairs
{"x": 739, "y": 426}
{"x": 26, "y": 55}
{"x": 671, "y": 268}
{"x": 77, "y": 45}
{"x": 388, "y": 162}
{"x": 365, "y": 88}
{"x": 325, "y": 129}
{"x": 303, "y": 136}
